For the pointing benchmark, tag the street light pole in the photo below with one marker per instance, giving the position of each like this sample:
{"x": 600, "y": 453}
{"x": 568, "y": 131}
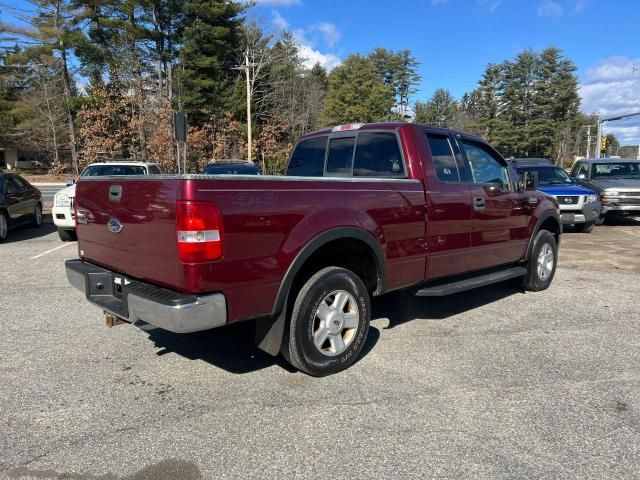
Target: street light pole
{"x": 611, "y": 118}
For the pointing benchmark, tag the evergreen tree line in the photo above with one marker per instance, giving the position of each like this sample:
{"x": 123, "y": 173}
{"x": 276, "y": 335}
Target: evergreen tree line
{"x": 526, "y": 107}
{"x": 86, "y": 80}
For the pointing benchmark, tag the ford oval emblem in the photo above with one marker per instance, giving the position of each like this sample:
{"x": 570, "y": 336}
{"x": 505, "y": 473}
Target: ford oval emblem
{"x": 114, "y": 225}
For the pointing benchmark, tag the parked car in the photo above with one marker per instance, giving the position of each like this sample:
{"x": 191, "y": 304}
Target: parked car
{"x": 579, "y": 206}
{"x": 231, "y": 167}
{"x": 363, "y": 210}
{"x": 616, "y": 181}
{"x": 62, "y": 211}
{"x": 20, "y": 204}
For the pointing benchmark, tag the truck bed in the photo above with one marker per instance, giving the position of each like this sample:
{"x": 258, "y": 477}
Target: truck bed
{"x": 267, "y": 221}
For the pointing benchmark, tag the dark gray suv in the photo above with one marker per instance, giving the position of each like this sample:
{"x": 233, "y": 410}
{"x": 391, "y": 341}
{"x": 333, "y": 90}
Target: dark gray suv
{"x": 616, "y": 180}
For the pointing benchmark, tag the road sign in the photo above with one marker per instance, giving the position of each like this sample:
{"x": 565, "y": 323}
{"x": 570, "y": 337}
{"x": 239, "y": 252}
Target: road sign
{"x": 180, "y": 123}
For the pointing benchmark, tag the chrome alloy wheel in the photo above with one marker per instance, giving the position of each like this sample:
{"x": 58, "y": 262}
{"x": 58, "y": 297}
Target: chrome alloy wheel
{"x": 336, "y": 322}
{"x": 545, "y": 262}
{"x": 4, "y": 228}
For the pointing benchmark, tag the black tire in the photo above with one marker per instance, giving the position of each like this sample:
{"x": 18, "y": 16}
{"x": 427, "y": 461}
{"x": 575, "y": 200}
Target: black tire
{"x": 298, "y": 346}
{"x": 586, "y": 227}
{"x": 535, "y": 280}
{"x": 67, "y": 235}
{"x": 600, "y": 220}
{"x": 4, "y": 226}
{"x": 37, "y": 217}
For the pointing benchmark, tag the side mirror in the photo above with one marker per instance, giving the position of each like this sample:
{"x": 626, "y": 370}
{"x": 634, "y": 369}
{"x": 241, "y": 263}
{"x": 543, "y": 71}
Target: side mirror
{"x": 70, "y": 182}
{"x": 528, "y": 181}
{"x": 581, "y": 176}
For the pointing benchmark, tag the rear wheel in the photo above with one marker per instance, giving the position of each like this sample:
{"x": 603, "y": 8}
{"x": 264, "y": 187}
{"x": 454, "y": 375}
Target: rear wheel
{"x": 542, "y": 262}
{"x": 584, "y": 227}
{"x": 4, "y": 227}
{"x": 329, "y": 323}
{"x": 67, "y": 235}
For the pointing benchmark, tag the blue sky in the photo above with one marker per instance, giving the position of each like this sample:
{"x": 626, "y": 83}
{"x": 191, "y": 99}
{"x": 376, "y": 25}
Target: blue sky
{"x": 455, "y": 39}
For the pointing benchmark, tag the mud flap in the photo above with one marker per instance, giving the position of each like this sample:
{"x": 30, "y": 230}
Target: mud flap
{"x": 269, "y": 332}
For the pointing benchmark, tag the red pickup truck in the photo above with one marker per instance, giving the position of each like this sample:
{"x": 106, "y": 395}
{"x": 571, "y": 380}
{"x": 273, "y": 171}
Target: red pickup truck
{"x": 362, "y": 210}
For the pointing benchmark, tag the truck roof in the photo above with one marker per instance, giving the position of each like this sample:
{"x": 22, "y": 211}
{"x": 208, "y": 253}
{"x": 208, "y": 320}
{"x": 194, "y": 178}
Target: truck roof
{"x": 122, "y": 162}
{"x": 395, "y": 125}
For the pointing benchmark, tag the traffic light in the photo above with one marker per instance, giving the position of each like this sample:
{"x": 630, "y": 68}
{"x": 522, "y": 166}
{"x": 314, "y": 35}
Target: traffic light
{"x": 603, "y": 144}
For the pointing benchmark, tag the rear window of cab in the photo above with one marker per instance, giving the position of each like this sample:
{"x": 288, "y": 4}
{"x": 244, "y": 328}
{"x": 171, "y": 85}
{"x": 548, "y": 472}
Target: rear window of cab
{"x": 365, "y": 154}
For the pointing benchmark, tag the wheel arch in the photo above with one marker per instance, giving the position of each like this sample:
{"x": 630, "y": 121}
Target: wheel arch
{"x": 549, "y": 221}
{"x": 335, "y": 237}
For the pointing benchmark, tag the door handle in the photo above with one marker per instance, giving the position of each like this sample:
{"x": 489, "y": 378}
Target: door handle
{"x": 478, "y": 203}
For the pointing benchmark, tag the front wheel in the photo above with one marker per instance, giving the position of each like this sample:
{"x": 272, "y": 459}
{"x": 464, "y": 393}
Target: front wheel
{"x": 329, "y": 323}
{"x": 4, "y": 226}
{"x": 586, "y": 227}
{"x": 37, "y": 216}
{"x": 542, "y": 262}
{"x": 600, "y": 220}
{"x": 67, "y": 235}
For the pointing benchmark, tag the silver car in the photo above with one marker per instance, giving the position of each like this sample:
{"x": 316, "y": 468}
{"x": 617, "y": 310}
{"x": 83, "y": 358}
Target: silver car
{"x": 616, "y": 180}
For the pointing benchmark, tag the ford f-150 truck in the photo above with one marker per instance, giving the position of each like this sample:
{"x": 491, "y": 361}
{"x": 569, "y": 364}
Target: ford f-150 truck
{"x": 362, "y": 210}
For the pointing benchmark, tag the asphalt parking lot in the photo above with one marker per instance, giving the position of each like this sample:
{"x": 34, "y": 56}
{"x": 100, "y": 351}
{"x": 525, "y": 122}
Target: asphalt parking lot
{"x": 493, "y": 383}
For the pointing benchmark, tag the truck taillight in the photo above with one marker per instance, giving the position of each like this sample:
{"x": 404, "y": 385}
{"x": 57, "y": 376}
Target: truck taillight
{"x": 199, "y": 231}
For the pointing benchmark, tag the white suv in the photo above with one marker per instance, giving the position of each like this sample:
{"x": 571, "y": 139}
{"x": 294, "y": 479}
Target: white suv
{"x": 62, "y": 211}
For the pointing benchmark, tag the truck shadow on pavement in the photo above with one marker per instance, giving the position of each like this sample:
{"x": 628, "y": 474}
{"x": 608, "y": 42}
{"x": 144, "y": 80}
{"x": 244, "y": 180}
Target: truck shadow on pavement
{"x": 402, "y": 307}
{"x": 231, "y": 348}
{"x": 29, "y": 233}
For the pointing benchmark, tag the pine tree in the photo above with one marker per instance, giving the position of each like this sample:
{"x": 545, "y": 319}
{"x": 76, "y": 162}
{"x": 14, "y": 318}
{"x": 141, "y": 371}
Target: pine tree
{"x": 441, "y": 110}
{"x": 356, "y": 93}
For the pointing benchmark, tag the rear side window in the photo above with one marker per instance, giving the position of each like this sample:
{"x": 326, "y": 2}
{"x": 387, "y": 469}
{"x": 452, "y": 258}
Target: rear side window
{"x": 308, "y": 158}
{"x": 340, "y": 157}
{"x": 444, "y": 159}
{"x": 378, "y": 155}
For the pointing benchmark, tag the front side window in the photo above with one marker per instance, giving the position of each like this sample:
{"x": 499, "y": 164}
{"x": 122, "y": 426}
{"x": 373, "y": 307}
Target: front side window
{"x": 340, "y": 159}
{"x": 616, "y": 170}
{"x": 308, "y": 158}
{"x": 485, "y": 168}
{"x": 154, "y": 170}
{"x": 378, "y": 155}
{"x": 444, "y": 160}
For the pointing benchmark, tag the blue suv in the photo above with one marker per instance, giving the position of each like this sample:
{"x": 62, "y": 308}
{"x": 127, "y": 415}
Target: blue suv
{"x": 579, "y": 206}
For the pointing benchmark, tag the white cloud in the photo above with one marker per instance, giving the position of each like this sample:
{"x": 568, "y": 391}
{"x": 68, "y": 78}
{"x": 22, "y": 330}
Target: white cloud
{"x": 580, "y": 6}
{"x": 329, "y": 31}
{"x": 311, "y": 56}
{"x": 548, "y": 8}
{"x": 278, "y": 3}
{"x": 279, "y": 21}
{"x": 492, "y": 5}
{"x": 612, "y": 87}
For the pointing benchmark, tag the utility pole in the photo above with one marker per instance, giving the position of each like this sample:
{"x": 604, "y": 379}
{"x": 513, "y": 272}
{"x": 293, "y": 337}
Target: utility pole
{"x": 249, "y": 139}
{"x": 247, "y": 71}
{"x": 588, "y": 140}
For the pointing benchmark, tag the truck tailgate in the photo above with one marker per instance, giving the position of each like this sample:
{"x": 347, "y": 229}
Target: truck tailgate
{"x": 145, "y": 208}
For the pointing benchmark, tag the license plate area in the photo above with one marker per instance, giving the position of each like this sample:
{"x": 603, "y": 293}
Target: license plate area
{"x": 107, "y": 290}
{"x": 568, "y": 217}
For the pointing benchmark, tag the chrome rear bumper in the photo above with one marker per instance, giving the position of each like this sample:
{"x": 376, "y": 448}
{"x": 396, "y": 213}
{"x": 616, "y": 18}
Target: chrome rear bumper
{"x": 135, "y": 300}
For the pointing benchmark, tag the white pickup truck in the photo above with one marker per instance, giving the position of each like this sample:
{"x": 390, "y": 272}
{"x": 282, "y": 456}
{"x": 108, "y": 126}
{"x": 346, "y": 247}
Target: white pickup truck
{"x": 62, "y": 211}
